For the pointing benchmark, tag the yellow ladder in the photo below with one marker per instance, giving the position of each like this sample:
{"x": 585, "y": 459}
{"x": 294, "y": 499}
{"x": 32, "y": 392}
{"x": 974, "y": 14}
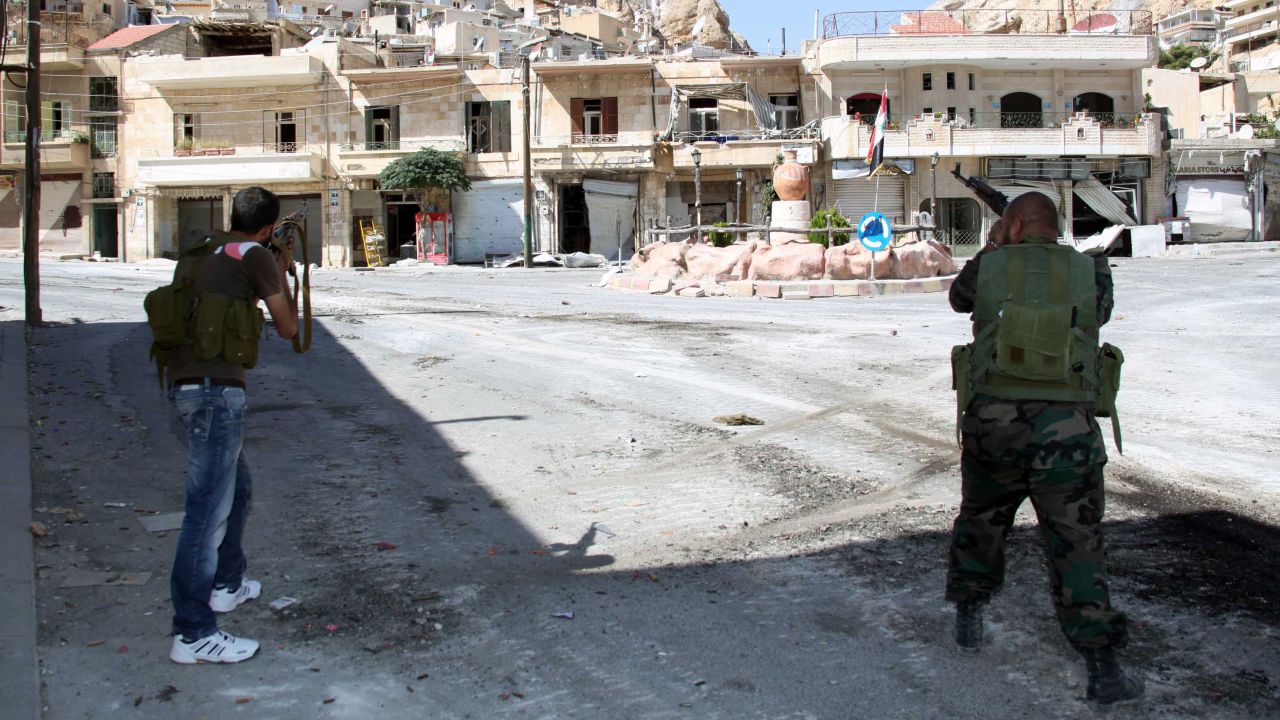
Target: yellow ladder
{"x": 375, "y": 243}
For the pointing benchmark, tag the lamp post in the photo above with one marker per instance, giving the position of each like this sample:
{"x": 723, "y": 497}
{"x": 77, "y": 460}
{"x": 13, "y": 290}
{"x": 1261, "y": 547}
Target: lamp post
{"x": 737, "y": 203}
{"x": 697, "y": 191}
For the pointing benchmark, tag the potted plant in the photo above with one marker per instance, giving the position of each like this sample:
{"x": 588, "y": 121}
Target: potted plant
{"x": 80, "y": 138}
{"x": 182, "y": 148}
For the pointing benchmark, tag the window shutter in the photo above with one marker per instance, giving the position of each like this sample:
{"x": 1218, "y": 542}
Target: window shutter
{"x": 395, "y": 124}
{"x": 609, "y": 116}
{"x": 501, "y": 124}
{"x": 368, "y": 126}
{"x": 575, "y": 115}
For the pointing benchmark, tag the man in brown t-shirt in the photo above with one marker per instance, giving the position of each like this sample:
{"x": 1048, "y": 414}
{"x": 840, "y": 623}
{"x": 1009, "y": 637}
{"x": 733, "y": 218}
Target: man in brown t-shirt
{"x": 209, "y": 564}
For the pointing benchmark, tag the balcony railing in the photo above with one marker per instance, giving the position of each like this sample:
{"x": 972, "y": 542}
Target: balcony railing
{"x": 1265, "y": 25}
{"x": 583, "y": 139}
{"x": 17, "y": 136}
{"x": 987, "y": 120}
{"x": 404, "y": 145}
{"x": 805, "y": 132}
{"x": 1009, "y": 21}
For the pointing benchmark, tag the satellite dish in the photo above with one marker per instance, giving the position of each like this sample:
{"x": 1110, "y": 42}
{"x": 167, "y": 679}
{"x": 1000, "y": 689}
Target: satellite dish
{"x": 1199, "y": 63}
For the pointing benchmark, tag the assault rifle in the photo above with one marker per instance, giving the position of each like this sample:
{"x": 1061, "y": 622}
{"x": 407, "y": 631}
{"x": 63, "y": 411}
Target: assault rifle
{"x": 991, "y": 197}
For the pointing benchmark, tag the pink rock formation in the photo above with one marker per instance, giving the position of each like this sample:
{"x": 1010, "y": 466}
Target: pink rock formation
{"x": 707, "y": 262}
{"x": 661, "y": 261}
{"x": 792, "y": 261}
{"x": 922, "y": 259}
{"x": 851, "y": 261}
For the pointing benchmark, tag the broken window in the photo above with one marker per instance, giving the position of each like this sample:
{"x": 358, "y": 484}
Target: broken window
{"x": 786, "y": 111}
{"x": 704, "y": 115}
{"x": 489, "y": 126}
{"x": 382, "y": 127}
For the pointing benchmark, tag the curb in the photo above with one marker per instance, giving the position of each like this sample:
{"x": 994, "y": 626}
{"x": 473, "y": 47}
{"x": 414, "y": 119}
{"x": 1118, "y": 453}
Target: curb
{"x": 19, "y": 665}
{"x": 788, "y": 290}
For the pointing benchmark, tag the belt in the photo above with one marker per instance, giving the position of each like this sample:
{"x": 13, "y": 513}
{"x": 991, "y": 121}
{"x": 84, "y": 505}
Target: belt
{"x": 207, "y": 382}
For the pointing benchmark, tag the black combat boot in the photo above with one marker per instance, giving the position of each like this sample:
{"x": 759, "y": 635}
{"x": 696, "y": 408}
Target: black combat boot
{"x": 1107, "y": 682}
{"x": 969, "y": 625}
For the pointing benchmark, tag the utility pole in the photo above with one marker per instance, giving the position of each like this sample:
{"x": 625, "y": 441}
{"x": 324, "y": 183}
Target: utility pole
{"x": 528, "y": 166}
{"x": 31, "y": 179}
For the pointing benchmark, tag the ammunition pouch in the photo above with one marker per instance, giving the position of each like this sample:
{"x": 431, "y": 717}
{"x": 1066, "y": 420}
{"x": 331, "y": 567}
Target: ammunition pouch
{"x": 228, "y": 328}
{"x": 1110, "y": 361}
{"x": 960, "y": 365}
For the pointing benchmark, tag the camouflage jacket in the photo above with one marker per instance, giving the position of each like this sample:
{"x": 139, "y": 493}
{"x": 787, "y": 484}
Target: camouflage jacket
{"x": 1031, "y": 434}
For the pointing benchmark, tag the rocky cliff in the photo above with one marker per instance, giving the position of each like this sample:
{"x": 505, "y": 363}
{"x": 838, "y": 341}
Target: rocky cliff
{"x": 680, "y": 21}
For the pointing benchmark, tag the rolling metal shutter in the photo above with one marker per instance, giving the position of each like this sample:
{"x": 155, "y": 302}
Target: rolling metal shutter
{"x": 488, "y": 220}
{"x": 857, "y": 196}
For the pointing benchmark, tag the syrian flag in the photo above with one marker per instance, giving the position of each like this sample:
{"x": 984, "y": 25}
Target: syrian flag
{"x": 875, "y": 153}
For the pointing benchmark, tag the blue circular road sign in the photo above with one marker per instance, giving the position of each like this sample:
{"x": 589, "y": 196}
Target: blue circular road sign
{"x": 875, "y": 232}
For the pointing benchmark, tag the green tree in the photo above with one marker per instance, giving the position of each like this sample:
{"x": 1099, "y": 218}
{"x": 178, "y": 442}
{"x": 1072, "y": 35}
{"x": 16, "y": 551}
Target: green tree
{"x": 1180, "y": 56}
{"x": 837, "y": 220}
{"x": 423, "y": 171}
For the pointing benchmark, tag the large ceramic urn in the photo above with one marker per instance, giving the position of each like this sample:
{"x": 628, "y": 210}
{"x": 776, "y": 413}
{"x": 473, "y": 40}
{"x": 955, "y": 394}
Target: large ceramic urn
{"x": 791, "y": 179}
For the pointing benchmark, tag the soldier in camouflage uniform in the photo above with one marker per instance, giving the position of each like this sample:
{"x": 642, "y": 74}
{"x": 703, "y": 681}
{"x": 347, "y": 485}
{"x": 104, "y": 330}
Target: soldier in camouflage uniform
{"x": 1051, "y": 452}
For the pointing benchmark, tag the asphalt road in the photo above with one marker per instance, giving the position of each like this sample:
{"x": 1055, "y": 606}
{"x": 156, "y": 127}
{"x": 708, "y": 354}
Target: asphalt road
{"x": 532, "y": 446}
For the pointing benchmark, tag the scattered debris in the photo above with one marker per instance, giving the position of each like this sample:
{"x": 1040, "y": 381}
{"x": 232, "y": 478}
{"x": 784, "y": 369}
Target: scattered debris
{"x": 375, "y": 649}
{"x": 409, "y": 688}
{"x": 39, "y": 530}
{"x": 563, "y": 615}
{"x": 423, "y": 676}
{"x": 737, "y": 420}
{"x": 95, "y": 643}
{"x": 167, "y": 693}
{"x": 584, "y": 260}
{"x": 163, "y": 522}
{"x": 384, "y": 545}
{"x": 137, "y": 701}
{"x": 328, "y": 701}
{"x": 640, "y": 374}
{"x": 492, "y": 551}
{"x": 123, "y": 648}
{"x": 699, "y": 683}
{"x": 331, "y": 627}
{"x": 564, "y": 302}
{"x": 115, "y": 505}
{"x": 427, "y": 361}
{"x": 282, "y": 603}
{"x": 244, "y": 700}
{"x": 428, "y": 597}
{"x": 93, "y": 578}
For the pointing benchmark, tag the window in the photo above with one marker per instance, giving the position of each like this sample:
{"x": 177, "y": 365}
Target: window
{"x": 951, "y": 113}
{"x": 103, "y": 94}
{"x": 951, "y": 81}
{"x": 927, "y": 111}
{"x": 102, "y": 134}
{"x": 55, "y": 119}
{"x": 972, "y": 83}
{"x": 594, "y": 119}
{"x": 786, "y": 111}
{"x": 973, "y": 116}
{"x": 704, "y": 115}
{"x": 283, "y": 131}
{"x": 186, "y": 130}
{"x": 382, "y": 127}
{"x": 489, "y": 126}
{"x": 566, "y": 52}
{"x": 15, "y": 121}
{"x": 926, "y": 80}
{"x": 104, "y": 185}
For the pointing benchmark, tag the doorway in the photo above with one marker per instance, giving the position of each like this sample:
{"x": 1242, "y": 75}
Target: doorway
{"x": 1101, "y": 107}
{"x": 575, "y": 227}
{"x": 402, "y": 228}
{"x": 1021, "y": 110}
{"x": 106, "y": 231}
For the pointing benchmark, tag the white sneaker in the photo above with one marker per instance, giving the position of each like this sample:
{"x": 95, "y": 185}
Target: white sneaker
{"x": 225, "y": 600}
{"x": 216, "y": 648}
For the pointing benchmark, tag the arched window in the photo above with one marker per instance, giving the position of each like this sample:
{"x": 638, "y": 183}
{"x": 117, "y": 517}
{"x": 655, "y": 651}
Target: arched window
{"x": 1101, "y": 107}
{"x": 866, "y": 106}
{"x": 1021, "y": 110}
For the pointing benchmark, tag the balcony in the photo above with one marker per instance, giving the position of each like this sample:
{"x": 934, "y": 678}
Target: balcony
{"x": 367, "y": 159}
{"x": 989, "y": 39}
{"x": 240, "y": 165}
{"x": 57, "y": 57}
{"x": 593, "y": 152}
{"x": 58, "y": 152}
{"x": 1246, "y": 31}
{"x": 1077, "y": 134}
{"x": 741, "y": 148}
{"x": 241, "y": 71}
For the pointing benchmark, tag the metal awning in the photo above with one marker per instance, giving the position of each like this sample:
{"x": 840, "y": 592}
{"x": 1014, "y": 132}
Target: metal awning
{"x": 1103, "y": 201}
{"x": 761, "y": 108}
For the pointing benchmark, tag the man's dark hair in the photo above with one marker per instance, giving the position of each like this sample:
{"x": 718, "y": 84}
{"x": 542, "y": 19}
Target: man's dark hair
{"x": 253, "y": 208}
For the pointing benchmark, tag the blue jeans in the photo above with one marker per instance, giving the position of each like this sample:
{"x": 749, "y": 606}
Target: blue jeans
{"x": 218, "y": 493}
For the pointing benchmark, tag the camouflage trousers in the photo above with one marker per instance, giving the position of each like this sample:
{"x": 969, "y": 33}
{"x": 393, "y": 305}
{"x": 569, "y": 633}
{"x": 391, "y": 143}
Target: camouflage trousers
{"x": 1068, "y": 503}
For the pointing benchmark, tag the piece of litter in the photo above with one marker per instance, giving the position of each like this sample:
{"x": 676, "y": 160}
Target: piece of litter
{"x": 163, "y": 522}
{"x": 328, "y": 701}
{"x": 385, "y": 545}
{"x": 95, "y": 643}
{"x": 115, "y": 505}
{"x": 137, "y": 701}
{"x": 699, "y": 683}
{"x": 492, "y": 551}
{"x": 737, "y": 419}
{"x": 167, "y": 693}
{"x": 331, "y": 627}
{"x": 39, "y": 530}
{"x": 641, "y": 375}
{"x": 244, "y": 700}
{"x": 282, "y": 603}
{"x": 423, "y": 676}
{"x": 124, "y": 648}
{"x": 92, "y": 578}
{"x": 375, "y": 649}
{"x": 563, "y": 615}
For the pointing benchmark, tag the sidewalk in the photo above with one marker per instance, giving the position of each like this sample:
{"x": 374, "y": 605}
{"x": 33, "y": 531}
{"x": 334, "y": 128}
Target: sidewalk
{"x": 19, "y": 675}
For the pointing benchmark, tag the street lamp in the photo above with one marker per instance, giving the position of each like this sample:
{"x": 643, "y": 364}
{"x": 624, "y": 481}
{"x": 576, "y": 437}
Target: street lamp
{"x": 738, "y": 202}
{"x": 697, "y": 190}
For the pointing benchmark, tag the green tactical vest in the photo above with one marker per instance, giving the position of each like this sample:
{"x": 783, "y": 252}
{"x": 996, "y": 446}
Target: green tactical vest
{"x": 1036, "y": 325}
{"x": 215, "y": 325}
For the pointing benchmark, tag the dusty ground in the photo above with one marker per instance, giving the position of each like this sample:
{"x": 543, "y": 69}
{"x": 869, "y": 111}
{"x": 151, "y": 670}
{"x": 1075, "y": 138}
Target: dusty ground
{"x": 532, "y": 445}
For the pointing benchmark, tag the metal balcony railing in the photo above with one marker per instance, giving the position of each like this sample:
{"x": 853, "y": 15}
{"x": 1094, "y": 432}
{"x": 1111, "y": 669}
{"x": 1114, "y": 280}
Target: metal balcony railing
{"x": 403, "y": 145}
{"x": 46, "y": 135}
{"x": 1268, "y": 25}
{"x": 282, "y": 147}
{"x": 804, "y": 132}
{"x": 1047, "y": 119}
{"x": 1011, "y": 21}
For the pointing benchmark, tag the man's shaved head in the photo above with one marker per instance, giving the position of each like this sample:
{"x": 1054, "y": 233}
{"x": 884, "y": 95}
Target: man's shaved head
{"x": 1032, "y": 213}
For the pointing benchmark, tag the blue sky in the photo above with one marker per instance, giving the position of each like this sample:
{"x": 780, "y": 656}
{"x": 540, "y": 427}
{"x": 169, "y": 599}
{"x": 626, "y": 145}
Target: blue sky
{"x": 761, "y": 21}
